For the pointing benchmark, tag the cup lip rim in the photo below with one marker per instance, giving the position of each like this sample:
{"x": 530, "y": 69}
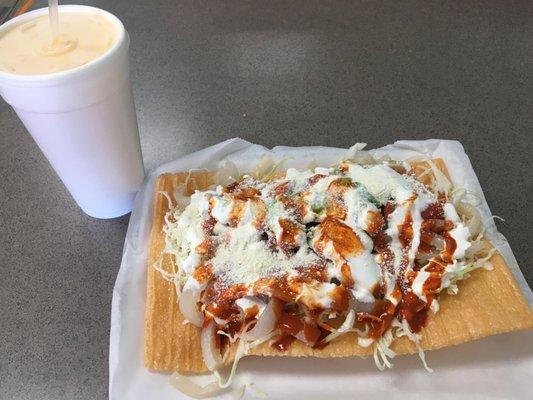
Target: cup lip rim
{"x": 68, "y": 73}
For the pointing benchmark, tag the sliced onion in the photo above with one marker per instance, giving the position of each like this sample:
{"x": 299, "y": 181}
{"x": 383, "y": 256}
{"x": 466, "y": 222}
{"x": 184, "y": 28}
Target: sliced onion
{"x": 301, "y": 337}
{"x": 210, "y": 351}
{"x": 438, "y": 242}
{"x": 473, "y": 218}
{"x": 475, "y": 248}
{"x": 227, "y": 173}
{"x": 427, "y": 256}
{"x": 443, "y": 184}
{"x": 188, "y": 303}
{"x": 266, "y": 323}
{"x": 361, "y": 306}
{"x": 186, "y": 386}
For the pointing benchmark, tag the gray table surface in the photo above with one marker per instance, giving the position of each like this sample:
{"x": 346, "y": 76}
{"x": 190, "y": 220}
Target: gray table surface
{"x": 291, "y": 73}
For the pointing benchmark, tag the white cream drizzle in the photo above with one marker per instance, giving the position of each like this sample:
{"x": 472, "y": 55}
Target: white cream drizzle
{"x": 242, "y": 256}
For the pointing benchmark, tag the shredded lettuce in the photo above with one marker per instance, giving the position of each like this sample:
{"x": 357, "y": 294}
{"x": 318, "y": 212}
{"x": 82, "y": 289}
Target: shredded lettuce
{"x": 347, "y": 326}
{"x": 402, "y": 329}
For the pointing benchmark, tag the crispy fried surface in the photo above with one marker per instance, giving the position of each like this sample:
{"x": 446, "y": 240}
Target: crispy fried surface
{"x": 489, "y": 302}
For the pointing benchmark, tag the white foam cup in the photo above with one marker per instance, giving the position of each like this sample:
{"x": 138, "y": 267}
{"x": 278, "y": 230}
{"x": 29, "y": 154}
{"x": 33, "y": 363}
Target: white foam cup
{"x": 84, "y": 121}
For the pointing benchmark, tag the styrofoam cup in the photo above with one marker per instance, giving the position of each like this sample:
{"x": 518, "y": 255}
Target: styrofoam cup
{"x": 84, "y": 121}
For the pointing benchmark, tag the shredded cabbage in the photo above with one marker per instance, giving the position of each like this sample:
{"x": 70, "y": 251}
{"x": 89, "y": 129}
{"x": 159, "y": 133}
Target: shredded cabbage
{"x": 382, "y": 351}
{"x": 240, "y": 353}
{"x": 232, "y": 339}
{"x": 347, "y": 326}
{"x": 493, "y": 217}
{"x": 471, "y": 217}
{"x": 167, "y": 196}
{"x": 356, "y": 155}
{"x": 242, "y": 350}
{"x": 176, "y": 276}
{"x": 274, "y": 169}
{"x": 227, "y": 173}
{"x": 402, "y": 329}
{"x": 459, "y": 194}
{"x": 173, "y": 277}
{"x": 263, "y": 167}
{"x": 442, "y": 183}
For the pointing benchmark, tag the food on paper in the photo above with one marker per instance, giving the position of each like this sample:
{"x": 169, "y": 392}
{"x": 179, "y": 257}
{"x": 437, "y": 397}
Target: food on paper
{"x": 366, "y": 257}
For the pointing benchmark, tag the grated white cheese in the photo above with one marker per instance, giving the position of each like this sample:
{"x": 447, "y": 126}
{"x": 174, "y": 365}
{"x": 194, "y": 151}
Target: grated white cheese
{"x": 382, "y": 182}
{"x": 246, "y": 259}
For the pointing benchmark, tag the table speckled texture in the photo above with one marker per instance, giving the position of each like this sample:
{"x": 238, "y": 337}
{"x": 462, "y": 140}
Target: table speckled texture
{"x": 292, "y": 73}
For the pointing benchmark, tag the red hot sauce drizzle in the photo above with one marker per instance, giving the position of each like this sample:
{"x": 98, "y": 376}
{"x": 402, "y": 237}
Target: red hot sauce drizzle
{"x": 219, "y": 299}
{"x": 283, "y": 342}
{"x": 411, "y": 308}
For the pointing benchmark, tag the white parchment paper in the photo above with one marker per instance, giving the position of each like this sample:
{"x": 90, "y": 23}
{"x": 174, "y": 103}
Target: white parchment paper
{"x": 496, "y": 367}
